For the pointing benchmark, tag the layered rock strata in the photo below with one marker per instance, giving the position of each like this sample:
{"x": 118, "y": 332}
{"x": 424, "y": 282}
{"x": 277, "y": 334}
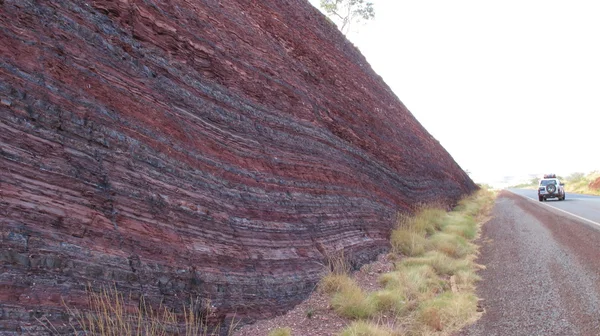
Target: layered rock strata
{"x": 212, "y": 149}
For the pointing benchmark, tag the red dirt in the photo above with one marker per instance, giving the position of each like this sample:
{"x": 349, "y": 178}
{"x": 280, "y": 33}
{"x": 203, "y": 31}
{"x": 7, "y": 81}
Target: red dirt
{"x": 315, "y": 317}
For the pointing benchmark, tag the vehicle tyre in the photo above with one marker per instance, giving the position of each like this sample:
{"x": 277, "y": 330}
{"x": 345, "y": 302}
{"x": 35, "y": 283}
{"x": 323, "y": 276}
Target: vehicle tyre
{"x": 551, "y": 188}
{"x": 540, "y": 198}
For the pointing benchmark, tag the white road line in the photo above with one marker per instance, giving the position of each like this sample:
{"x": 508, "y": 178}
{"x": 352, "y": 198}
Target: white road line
{"x": 555, "y": 208}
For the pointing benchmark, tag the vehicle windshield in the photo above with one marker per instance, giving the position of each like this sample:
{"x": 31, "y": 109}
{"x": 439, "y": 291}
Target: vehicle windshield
{"x": 546, "y": 182}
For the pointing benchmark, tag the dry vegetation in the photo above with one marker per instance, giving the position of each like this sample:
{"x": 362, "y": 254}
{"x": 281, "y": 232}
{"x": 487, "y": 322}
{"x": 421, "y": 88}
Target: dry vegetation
{"x": 281, "y": 332}
{"x": 580, "y": 183}
{"x": 430, "y": 291}
{"x": 111, "y": 314}
{"x": 428, "y": 288}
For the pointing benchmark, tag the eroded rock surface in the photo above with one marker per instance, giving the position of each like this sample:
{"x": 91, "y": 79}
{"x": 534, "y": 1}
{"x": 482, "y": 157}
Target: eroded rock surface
{"x": 218, "y": 149}
{"x": 595, "y": 184}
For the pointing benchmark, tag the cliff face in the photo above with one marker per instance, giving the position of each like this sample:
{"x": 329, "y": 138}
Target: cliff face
{"x": 218, "y": 149}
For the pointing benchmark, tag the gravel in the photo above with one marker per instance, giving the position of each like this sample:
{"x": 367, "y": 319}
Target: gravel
{"x": 322, "y": 320}
{"x": 542, "y": 275}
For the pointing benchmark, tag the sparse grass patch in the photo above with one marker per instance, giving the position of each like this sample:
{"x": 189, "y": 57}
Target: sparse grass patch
{"x": 333, "y": 283}
{"x": 467, "y": 206}
{"x": 338, "y": 263}
{"x": 352, "y": 302}
{"x": 431, "y": 287}
{"x": 449, "y": 311}
{"x": 426, "y": 221}
{"x": 414, "y": 282}
{"x": 461, "y": 225}
{"x": 364, "y": 328}
{"x": 441, "y": 263}
{"x": 466, "y": 279}
{"x": 408, "y": 242}
{"x": 453, "y": 245}
{"x": 110, "y": 313}
{"x": 281, "y": 332}
{"x": 389, "y": 300}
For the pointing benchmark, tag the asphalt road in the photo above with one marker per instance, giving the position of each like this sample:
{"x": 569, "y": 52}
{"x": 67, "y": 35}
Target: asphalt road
{"x": 542, "y": 274}
{"x": 584, "y": 206}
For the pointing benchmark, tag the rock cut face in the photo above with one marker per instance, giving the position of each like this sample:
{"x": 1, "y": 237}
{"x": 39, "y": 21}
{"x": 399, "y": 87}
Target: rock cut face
{"x": 213, "y": 149}
{"x": 595, "y": 184}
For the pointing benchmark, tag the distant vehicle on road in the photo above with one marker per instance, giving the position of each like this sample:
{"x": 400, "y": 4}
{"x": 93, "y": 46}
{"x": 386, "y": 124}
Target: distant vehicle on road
{"x": 551, "y": 187}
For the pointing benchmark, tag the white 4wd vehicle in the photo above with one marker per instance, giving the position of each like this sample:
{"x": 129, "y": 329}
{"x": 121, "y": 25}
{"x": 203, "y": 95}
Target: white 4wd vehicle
{"x": 551, "y": 187}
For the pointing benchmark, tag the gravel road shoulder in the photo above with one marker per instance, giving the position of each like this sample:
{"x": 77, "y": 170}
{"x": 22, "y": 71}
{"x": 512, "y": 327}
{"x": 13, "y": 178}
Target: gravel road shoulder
{"x": 542, "y": 275}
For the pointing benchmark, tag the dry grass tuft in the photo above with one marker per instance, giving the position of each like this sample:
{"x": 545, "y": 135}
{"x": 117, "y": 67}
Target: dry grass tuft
{"x": 466, "y": 279}
{"x": 281, "y": 332}
{"x": 389, "y": 300}
{"x": 431, "y": 289}
{"x": 333, "y": 283}
{"x": 449, "y": 311}
{"x": 338, "y": 263}
{"x": 109, "y": 314}
{"x": 352, "y": 302}
{"x": 441, "y": 263}
{"x": 408, "y": 242}
{"x": 426, "y": 220}
{"x": 364, "y": 328}
{"x": 414, "y": 282}
{"x": 453, "y": 245}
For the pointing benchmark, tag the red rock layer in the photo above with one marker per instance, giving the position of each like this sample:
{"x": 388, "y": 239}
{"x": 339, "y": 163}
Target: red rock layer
{"x": 595, "y": 184}
{"x": 217, "y": 149}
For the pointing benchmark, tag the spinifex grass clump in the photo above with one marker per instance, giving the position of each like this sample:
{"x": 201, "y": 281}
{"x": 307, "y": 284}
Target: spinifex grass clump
{"x": 416, "y": 283}
{"x": 431, "y": 289}
{"x": 442, "y": 263}
{"x": 408, "y": 242}
{"x": 447, "y": 311}
{"x": 348, "y": 299}
{"x": 352, "y": 302}
{"x": 363, "y": 328}
{"x": 110, "y": 314}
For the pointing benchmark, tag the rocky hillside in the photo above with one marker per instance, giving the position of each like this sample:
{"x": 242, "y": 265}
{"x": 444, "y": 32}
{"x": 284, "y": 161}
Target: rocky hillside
{"x": 595, "y": 184}
{"x": 218, "y": 149}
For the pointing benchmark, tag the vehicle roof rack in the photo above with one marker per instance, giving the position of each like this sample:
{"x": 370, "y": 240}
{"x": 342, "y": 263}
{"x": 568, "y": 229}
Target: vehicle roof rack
{"x": 549, "y": 175}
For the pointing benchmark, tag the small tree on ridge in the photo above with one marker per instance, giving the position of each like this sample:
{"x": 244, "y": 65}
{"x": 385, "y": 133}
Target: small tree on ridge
{"x": 348, "y": 11}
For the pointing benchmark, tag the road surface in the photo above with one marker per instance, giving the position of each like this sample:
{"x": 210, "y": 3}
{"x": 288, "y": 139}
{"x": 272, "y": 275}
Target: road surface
{"x": 585, "y": 206}
{"x": 543, "y": 267}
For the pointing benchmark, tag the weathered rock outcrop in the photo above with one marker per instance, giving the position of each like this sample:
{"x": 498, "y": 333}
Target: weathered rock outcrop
{"x": 595, "y": 185}
{"x": 195, "y": 148}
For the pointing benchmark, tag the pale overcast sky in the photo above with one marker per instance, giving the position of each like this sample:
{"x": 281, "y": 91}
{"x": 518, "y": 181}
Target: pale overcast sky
{"x": 509, "y": 88}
